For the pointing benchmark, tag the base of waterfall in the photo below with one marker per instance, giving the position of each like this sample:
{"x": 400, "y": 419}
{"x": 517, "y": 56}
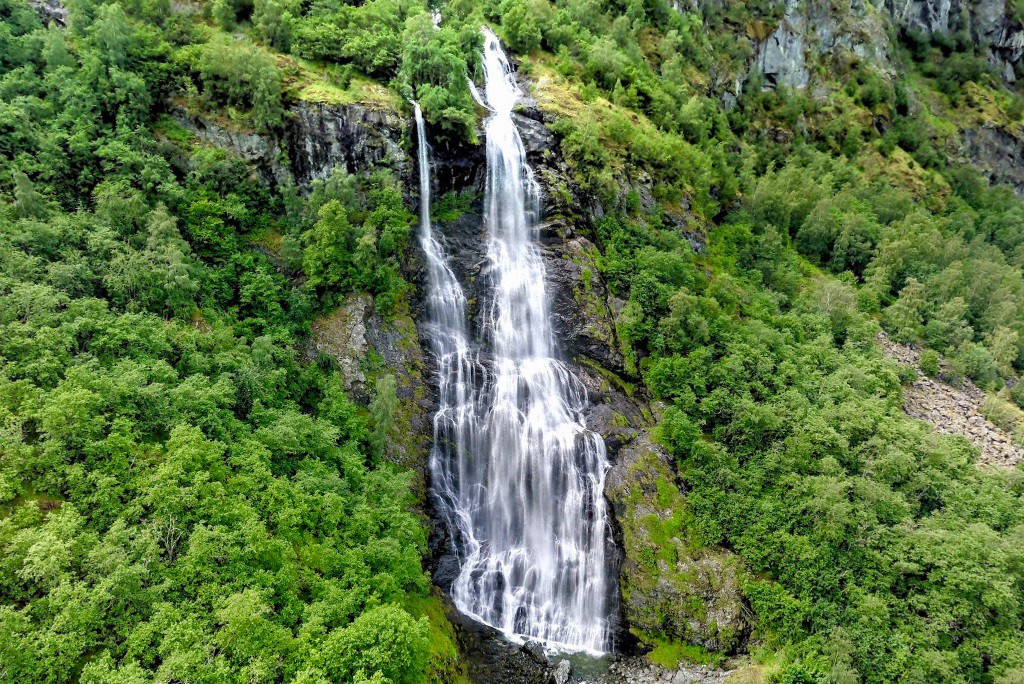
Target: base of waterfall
{"x": 491, "y": 658}
{"x": 639, "y": 670}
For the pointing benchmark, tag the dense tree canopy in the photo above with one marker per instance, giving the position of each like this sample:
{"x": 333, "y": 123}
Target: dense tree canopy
{"x": 182, "y": 497}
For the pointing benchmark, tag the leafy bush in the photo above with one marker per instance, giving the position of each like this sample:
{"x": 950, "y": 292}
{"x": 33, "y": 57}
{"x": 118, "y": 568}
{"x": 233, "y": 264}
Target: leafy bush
{"x": 272, "y": 21}
{"x": 357, "y": 234}
{"x": 385, "y": 641}
{"x": 236, "y": 74}
{"x": 521, "y": 21}
{"x": 1001, "y": 413}
{"x": 929, "y": 363}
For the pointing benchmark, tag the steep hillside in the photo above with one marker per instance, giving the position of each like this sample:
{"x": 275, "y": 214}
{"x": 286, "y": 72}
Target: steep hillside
{"x": 217, "y": 400}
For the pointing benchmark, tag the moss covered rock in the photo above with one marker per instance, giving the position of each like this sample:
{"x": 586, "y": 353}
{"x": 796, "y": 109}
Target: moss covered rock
{"x": 671, "y": 589}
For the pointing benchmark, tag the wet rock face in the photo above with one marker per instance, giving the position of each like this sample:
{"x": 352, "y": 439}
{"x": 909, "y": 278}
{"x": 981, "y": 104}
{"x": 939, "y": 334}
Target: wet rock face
{"x": 583, "y": 319}
{"x": 580, "y": 303}
{"x": 669, "y": 589}
{"x": 491, "y": 659}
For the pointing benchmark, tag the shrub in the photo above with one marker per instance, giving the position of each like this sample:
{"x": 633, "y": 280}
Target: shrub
{"x": 978, "y": 364}
{"x": 953, "y": 372}
{"x": 385, "y": 640}
{"x": 1001, "y": 413}
{"x": 929, "y": 363}
{"x": 238, "y": 74}
{"x": 521, "y": 22}
{"x": 272, "y": 21}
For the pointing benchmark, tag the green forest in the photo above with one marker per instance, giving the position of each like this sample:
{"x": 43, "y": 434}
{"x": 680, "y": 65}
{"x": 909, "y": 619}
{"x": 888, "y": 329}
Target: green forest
{"x": 188, "y": 496}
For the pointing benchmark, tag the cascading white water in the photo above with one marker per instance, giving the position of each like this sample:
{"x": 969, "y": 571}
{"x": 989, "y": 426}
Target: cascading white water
{"x": 516, "y": 474}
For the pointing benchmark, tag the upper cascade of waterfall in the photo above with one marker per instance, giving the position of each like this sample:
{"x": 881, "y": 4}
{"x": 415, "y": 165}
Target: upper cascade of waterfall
{"x": 446, "y": 302}
{"x": 516, "y": 475}
{"x": 423, "y": 159}
{"x": 500, "y": 87}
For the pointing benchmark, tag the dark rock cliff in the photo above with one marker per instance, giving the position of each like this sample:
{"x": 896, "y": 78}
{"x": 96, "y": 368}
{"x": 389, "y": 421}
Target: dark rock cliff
{"x": 997, "y": 153}
{"x": 315, "y": 139}
{"x": 319, "y": 137}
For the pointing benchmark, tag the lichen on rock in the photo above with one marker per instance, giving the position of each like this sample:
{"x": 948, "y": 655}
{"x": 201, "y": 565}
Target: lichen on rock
{"x": 342, "y": 335}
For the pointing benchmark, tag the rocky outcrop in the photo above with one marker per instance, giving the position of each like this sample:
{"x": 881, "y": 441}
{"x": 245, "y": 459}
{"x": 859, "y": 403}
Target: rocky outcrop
{"x": 813, "y": 32}
{"x": 396, "y": 340}
{"x": 50, "y": 10}
{"x": 349, "y": 335}
{"x": 580, "y": 302}
{"x": 922, "y": 16}
{"x": 315, "y": 139}
{"x": 342, "y": 336}
{"x": 815, "y": 37}
{"x": 263, "y": 152}
{"x": 992, "y": 24}
{"x": 953, "y": 410}
{"x": 997, "y": 153}
{"x": 781, "y": 56}
{"x": 820, "y": 32}
{"x": 671, "y": 589}
{"x": 319, "y": 137}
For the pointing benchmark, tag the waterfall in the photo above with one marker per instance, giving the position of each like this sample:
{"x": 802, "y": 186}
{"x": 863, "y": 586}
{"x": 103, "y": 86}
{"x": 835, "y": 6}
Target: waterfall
{"x": 517, "y": 476}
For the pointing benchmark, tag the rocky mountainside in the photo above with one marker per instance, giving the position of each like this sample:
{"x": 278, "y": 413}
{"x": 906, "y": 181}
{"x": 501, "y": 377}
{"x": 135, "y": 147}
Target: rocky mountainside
{"x": 818, "y": 33}
{"x": 218, "y": 400}
{"x": 808, "y": 42}
{"x": 670, "y": 587}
